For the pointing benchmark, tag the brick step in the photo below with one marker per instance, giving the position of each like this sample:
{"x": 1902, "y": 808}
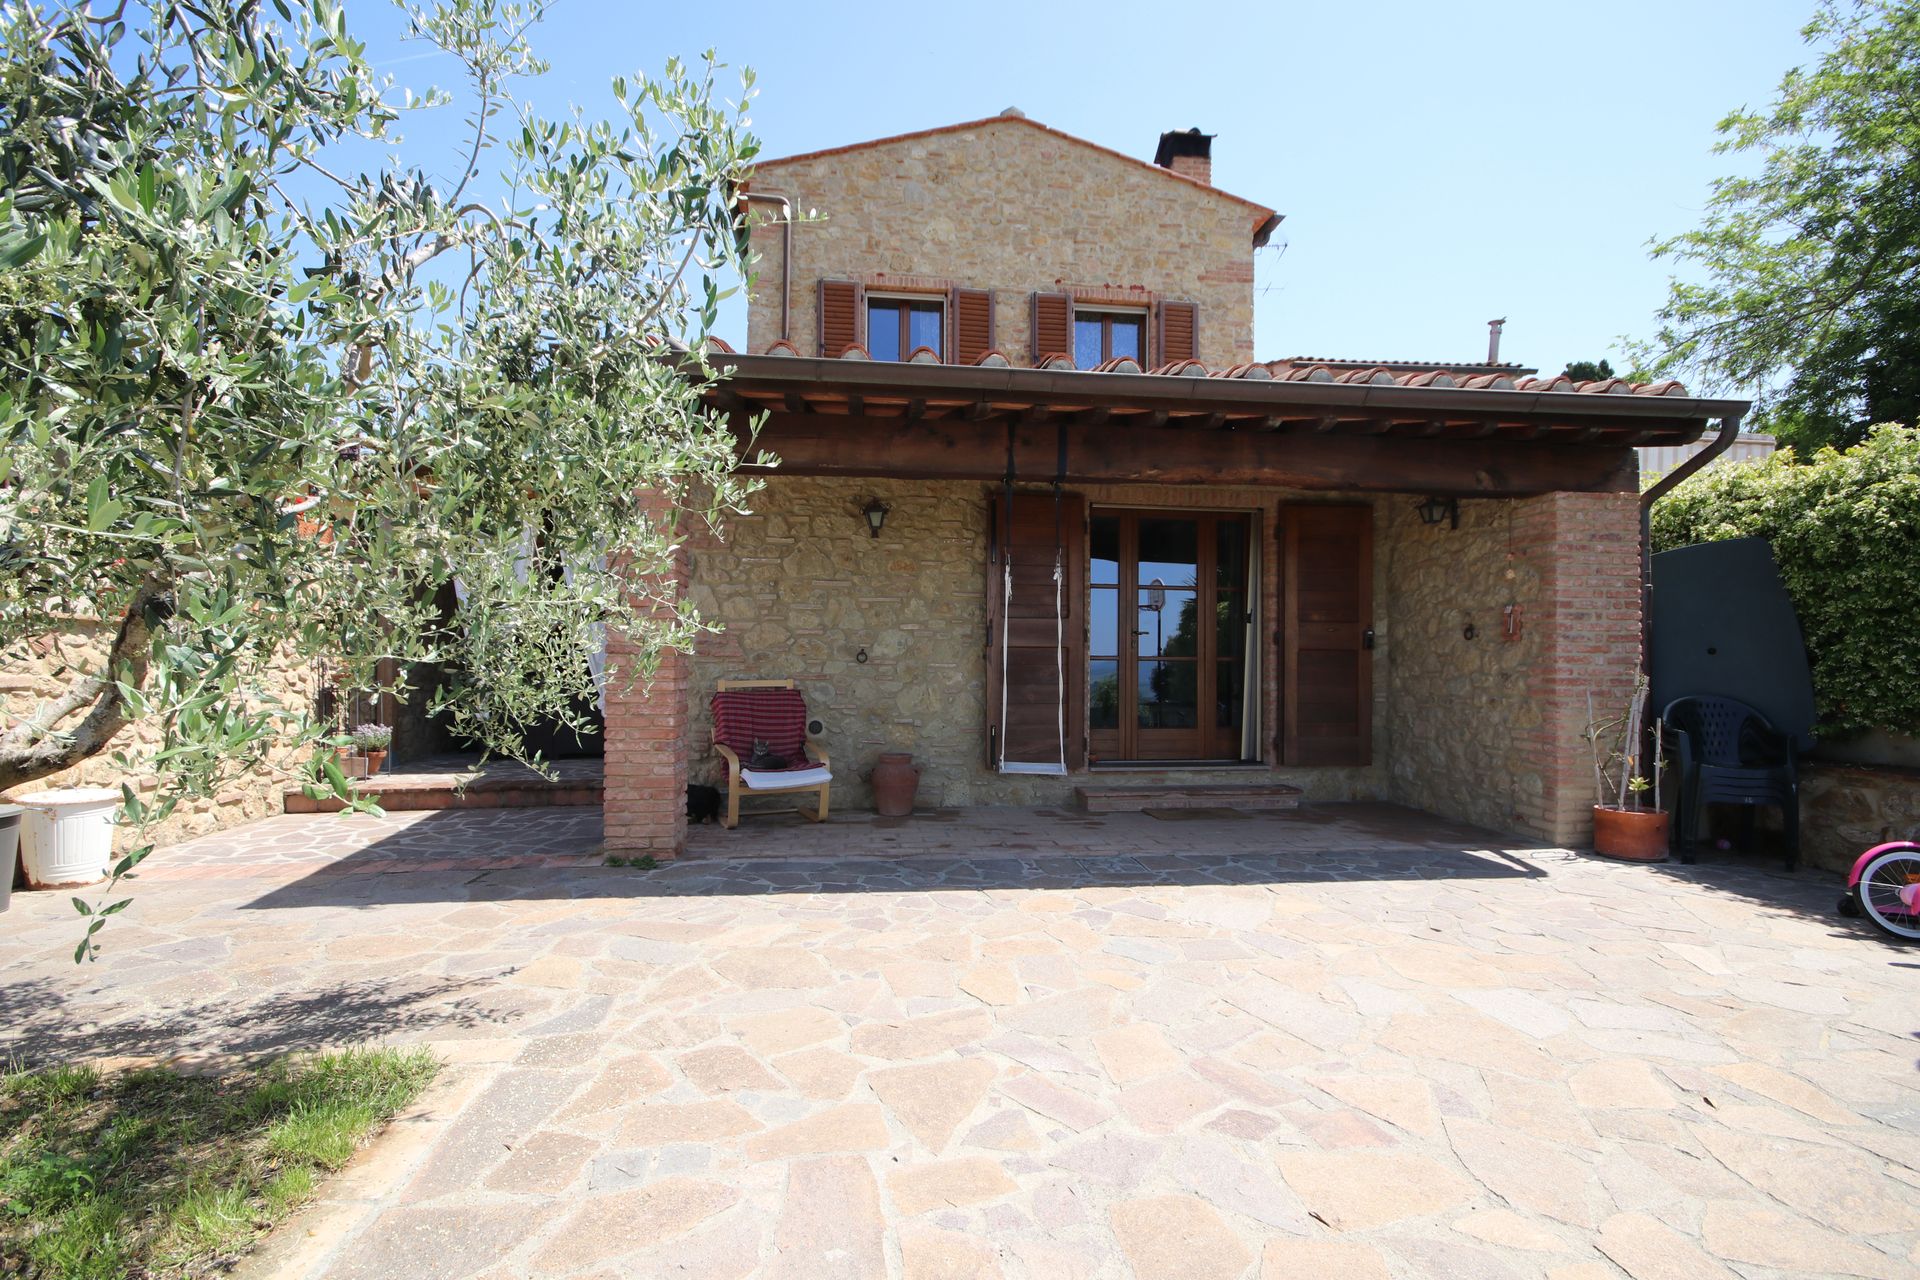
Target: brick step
{"x": 457, "y": 785}
{"x": 1120, "y": 798}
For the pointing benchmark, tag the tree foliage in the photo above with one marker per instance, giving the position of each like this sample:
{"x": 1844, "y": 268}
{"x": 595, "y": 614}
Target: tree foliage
{"x": 1588, "y": 370}
{"x": 1843, "y": 527}
{"x": 256, "y": 402}
{"x": 1804, "y": 280}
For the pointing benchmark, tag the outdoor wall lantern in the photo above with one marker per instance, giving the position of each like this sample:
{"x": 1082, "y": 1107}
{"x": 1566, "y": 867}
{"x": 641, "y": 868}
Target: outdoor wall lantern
{"x": 1436, "y": 509}
{"x": 876, "y": 514}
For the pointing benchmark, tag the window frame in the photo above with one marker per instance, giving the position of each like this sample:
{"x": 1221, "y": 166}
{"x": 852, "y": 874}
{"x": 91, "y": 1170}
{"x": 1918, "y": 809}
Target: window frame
{"x": 1106, "y": 314}
{"x": 905, "y": 302}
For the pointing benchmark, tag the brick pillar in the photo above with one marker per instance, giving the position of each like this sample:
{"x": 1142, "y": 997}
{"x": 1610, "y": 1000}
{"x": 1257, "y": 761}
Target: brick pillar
{"x": 645, "y": 805}
{"x": 1586, "y": 626}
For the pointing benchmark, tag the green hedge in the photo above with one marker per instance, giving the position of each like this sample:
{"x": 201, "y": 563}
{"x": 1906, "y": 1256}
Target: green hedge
{"x": 1845, "y": 528}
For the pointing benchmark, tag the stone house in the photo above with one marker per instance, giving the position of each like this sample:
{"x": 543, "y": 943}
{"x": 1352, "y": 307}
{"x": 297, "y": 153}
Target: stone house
{"x": 1118, "y": 554}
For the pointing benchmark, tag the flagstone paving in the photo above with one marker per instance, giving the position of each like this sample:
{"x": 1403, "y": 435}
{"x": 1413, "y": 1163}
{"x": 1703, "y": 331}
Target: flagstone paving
{"x": 1349, "y": 1042}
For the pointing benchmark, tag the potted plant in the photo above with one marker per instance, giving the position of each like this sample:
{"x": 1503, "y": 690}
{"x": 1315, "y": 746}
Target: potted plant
{"x": 371, "y": 742}
{"x": 1623, "y": 826}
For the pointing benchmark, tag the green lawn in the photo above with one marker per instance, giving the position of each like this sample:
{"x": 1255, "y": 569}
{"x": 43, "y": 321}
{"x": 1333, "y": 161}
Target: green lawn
{"x": 159, "y": 1174}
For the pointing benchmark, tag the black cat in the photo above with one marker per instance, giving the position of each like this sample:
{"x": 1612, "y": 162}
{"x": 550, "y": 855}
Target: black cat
{"x": 703, "y": 803}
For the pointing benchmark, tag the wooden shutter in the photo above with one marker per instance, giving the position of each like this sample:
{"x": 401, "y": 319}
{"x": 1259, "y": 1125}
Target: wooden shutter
{"x": 841, "y": 314}
{"x": 1179, "y": 332}
{"x": 969, "y": 325}
{"x": 1027, "y": 629}
{"x": 1326, "y": 638}
{"x": 1052, "y": 325}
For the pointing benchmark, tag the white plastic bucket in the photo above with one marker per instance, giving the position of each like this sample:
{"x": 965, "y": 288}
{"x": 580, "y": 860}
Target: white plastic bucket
{"x": 66, "y": 837}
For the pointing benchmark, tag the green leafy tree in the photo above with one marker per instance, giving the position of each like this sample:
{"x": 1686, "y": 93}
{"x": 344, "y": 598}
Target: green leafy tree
{"x": 259, "y": 404}
{"x": 1588, "y": 370}
{"x": 1803, "y": 277}
{"x": 1843, "y": 527}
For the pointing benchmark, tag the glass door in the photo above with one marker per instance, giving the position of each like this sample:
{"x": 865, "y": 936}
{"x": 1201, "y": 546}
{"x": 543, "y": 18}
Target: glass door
{"x": 1167, "y": 644}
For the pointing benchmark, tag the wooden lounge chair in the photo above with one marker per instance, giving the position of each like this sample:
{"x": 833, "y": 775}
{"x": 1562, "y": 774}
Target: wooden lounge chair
{"x": 773, "y": 713}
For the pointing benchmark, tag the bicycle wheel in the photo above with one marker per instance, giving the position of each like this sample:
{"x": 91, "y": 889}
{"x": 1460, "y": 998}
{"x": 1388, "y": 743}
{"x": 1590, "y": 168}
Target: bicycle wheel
{"x": 1889, "y": 891}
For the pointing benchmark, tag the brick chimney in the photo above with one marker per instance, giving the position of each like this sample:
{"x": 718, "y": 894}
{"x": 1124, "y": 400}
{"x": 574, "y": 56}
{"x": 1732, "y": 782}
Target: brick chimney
{"x": 1188, "y": 153}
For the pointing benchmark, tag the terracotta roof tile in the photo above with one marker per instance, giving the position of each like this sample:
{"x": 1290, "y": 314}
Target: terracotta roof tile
{"x": 1371, "y": 375}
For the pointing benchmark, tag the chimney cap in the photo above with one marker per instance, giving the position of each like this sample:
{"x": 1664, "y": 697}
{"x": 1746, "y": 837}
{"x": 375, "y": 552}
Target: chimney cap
{"x": 1183, "y": 142}
{"x": 1014, "y": 113}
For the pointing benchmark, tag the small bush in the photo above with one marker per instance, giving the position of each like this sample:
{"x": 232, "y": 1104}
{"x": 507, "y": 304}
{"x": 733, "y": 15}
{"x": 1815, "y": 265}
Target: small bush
{"x": 1845, "y": 529}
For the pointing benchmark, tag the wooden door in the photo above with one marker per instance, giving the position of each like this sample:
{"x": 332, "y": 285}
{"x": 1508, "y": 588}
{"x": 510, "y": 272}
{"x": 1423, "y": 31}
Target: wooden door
{"x": 1326, "y": 635}
{"x": 1166, "y": 661}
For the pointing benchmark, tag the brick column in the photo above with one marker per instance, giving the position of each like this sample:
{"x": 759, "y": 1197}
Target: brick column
{"x": 645, "y": 805}
{"x": 1586, "y": 621}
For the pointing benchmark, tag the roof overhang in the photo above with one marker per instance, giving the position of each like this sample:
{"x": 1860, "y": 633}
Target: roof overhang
{"x": 860, "y": 417}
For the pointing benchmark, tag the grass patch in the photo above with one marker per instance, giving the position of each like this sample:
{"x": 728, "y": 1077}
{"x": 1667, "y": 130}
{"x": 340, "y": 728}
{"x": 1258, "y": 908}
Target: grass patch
{"x": 157, "y": 1174}
{"x": 645, "y": 862}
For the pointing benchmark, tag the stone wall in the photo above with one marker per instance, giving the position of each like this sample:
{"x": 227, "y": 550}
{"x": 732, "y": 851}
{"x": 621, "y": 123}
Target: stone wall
{"x": 1481, "y": 728}
{"x": 1846, "y": 809}
{"x": 802, "y": 589}
{"x": 36, "y": 673}
{"x": 1005, "y": 206}
{"x": 1456, "y": 703}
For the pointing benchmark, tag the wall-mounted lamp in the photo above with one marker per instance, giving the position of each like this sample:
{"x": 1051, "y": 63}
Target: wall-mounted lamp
{"x": 1436, "y": 509}
{"x": 876, "y": 513}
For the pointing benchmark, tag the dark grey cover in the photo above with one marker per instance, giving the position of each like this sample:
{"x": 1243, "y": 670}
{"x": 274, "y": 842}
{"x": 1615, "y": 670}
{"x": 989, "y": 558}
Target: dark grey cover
{"x": 1723, "y": 624}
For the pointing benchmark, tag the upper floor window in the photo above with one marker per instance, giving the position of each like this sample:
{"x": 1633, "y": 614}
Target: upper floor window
{"x": 1099, "y": 336}
{"x": 897, "y": 327}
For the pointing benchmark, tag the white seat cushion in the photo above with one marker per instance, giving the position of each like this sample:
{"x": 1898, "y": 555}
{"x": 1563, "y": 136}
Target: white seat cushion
{"x": 773, "y": 779}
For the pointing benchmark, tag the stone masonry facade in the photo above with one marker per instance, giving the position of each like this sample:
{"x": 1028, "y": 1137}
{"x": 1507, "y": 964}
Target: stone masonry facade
{"x": 1481, "y": 727}
{"x": 1013, "y": 207}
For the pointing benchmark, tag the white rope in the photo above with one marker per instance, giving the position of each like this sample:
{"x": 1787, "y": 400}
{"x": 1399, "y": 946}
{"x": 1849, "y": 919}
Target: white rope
{"x": 1060, "y": 653}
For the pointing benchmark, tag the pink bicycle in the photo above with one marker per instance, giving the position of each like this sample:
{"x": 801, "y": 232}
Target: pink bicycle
{"x": 1884, "y": 886}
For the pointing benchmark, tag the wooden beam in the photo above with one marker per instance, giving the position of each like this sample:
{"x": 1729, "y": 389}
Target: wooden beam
{"x": 821, "y": 445}
{"x": 1093, "y": 417}
{"x": 916, "y": 409}
{"x": 978, "y": 411}
{"x": 795, "y": 402}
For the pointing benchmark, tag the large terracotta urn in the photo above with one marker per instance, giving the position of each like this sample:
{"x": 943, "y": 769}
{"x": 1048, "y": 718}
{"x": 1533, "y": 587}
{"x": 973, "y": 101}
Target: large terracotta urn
{"x": 1632, "y": 835}
{"x": 895, "y": 779}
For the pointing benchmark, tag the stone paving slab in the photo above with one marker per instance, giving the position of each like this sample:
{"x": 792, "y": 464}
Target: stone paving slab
{"x": 1353, "y": 1042}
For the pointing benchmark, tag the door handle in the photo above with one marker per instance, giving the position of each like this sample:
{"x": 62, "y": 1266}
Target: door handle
{"x": 1366, "y": 638}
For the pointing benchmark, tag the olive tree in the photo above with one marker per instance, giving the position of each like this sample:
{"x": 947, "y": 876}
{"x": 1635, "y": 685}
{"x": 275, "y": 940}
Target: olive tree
{"x": 260, "y": 400}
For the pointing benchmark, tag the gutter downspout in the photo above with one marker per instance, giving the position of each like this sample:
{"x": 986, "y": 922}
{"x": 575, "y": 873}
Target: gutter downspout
{"x": 786, "y": 257}
{"x": 1729, "y": 428}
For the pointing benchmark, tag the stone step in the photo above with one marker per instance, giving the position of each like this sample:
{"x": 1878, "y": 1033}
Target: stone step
{"x": 1137, "y": 798}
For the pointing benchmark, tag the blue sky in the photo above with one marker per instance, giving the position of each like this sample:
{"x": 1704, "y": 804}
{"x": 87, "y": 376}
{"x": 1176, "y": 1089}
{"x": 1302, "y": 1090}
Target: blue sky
{"x": 1438, "y": 164}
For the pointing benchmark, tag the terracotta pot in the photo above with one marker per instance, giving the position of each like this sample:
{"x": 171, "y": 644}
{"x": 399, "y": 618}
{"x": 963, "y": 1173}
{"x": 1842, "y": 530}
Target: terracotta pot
{"x": 895, "y": 779}
{"x": 1632, "y": 835}
{"x": 376, "y": 761}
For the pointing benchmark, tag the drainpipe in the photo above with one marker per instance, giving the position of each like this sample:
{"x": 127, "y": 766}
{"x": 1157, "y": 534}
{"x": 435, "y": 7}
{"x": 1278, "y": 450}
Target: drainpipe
{"x": 786, "y": 257}
{"x": 1729, "y": 428}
